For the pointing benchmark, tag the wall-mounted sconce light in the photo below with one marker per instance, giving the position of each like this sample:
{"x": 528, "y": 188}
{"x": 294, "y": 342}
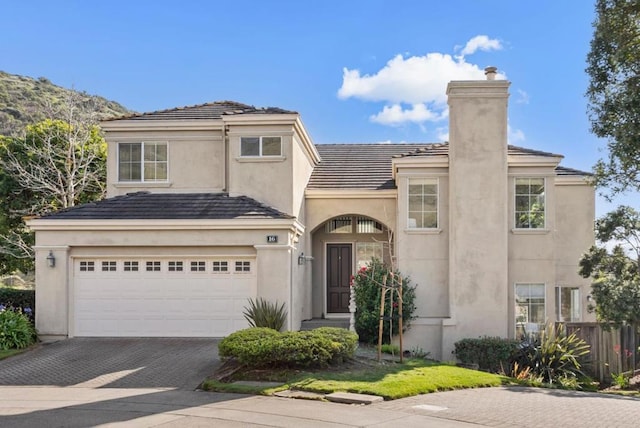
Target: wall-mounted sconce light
{"x": 589, "y": 298}
{"x": 51, "y": 260}
{"x": 302, "y": 258}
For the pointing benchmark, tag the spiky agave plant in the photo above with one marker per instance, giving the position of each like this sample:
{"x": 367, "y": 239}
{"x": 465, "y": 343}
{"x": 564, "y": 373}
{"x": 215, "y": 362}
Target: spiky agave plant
{"x": 262, "y": 313}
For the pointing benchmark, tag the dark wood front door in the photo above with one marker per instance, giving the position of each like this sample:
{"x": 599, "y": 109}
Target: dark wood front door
{"x": 338, "y": 276}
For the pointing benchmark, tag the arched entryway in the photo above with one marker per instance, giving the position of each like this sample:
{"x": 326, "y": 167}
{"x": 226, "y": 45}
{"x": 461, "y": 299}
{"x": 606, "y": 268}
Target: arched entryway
{"x": 344, "y": 243}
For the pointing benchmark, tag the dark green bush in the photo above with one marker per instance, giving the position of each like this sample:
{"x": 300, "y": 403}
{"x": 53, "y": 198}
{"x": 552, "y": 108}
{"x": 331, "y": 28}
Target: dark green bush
{"x": 16, "y": 331}
{"x": 554, "y": 358}
{"x": 347, "y": 341}
{"x": 262, "y": 313}
{"x": 491, "y": 354}
{"x": 23, "y": 300}
{"x": 265, "y": 347}
{"x": 367, "y": 288}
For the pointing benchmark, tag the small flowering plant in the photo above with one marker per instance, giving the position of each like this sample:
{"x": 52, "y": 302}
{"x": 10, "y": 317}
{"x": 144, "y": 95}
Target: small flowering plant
{"x": 367, "y": 285}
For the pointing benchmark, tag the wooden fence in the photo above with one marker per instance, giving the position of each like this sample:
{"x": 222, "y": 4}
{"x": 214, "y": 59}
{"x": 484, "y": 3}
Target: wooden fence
{"x": 614, "y": 351}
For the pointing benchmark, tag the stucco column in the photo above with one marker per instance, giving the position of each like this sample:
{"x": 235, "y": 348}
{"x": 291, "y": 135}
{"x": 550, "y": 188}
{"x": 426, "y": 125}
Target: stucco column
{"x": 52, "y": 301}
{"x": 275, "y": 273}
{"x": 478, "y": 204}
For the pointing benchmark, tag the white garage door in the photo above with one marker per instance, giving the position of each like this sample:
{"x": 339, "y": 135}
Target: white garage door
{"x": 163, "y": 297}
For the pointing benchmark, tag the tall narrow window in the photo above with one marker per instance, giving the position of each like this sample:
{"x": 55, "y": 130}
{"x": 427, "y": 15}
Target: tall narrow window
{"x": 142, "y": 162}
{"x": 530, "y": 309}
{"x": 568, "y": 304}
{"x": 365, "y": 251}
{"x": 529, "y": 209}
{"x": 423, "y": 203}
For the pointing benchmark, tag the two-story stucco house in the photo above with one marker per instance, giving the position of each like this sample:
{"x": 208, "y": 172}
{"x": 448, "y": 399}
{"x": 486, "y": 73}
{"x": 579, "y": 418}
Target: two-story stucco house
{"x": 213, "y": 204}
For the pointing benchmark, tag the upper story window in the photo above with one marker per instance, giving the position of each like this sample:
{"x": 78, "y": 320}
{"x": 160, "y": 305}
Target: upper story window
{"x": 142, "y": 162}
{"x": 260, "y": 146}
{"x": 423, "y": 203}
{"x": 529, "y": 209}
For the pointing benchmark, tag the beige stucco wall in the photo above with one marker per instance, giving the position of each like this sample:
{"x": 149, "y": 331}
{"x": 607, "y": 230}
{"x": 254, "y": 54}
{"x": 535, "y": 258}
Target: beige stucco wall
{"x": 196, "y": 161}
{"x": 266, "y": 179}
{"x": 423, "y": 254}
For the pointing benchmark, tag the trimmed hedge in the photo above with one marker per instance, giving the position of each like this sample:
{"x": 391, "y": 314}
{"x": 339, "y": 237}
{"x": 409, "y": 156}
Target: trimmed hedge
{"x": 491, "y": 354}
{"x": 262, "y": 347}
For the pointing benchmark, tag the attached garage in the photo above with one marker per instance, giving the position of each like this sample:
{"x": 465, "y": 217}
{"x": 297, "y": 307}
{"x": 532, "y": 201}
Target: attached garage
{"x": 163, "y": 297}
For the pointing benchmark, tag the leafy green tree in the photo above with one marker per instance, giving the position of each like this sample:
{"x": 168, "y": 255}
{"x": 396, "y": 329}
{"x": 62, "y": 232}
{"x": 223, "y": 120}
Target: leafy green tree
{"x": 56, "y": 165}
{"x": 614, "y": 92}
{"x": 615, "y": 271}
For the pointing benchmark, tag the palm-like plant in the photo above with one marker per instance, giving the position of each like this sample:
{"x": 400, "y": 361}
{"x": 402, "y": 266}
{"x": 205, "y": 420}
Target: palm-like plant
{"x": 262, "y": 313}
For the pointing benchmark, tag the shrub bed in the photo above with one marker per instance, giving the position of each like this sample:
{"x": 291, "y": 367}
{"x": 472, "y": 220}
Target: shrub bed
{"x": 492, "y": 354}
{"x": 262, "y": 347}
{"x": 16, "y": 330}
{"x": 21, "y": 300}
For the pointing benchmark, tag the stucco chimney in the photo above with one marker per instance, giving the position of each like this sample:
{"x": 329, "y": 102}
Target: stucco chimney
{"x": 478, "y": 206}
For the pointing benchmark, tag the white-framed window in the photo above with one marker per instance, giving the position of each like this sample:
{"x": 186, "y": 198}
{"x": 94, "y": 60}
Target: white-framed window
{"x": 220, "y": 266}
{"x": 109, "y": 266}
{"x": 529, "y": 203}
{"x": 243, "y": 266}
{"x": 175, "y": 266}
{"x": 198, "y": 266}
{"x": 260, "y": 146}
{"x": 423, "y": 203}
{"x": 142, "y": 162}
{"x": 130, "y": 266}
{"x": 339, "y": 225}
{"x": 365, "y": 251}
{"x": 87, "y": 266}
{"x": 153, "y": 266}
{"x": 530, "y": 309}
{"x": 568, "y": 304}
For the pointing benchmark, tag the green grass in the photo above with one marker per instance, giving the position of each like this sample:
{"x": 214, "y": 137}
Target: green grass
{"x": 10, "y": 352}
{"x": 390, "y": 381}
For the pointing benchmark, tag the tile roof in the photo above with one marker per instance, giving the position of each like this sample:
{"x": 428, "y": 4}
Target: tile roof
{"x": 357, "y": 166}
{"x": 368, "y": 166}
{"x": 206, "y": 111}
{"x": 181, "y": 206}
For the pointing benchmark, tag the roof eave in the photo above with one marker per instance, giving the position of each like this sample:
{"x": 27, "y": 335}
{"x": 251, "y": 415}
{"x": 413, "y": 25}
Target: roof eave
{"x": 161, "y": 125}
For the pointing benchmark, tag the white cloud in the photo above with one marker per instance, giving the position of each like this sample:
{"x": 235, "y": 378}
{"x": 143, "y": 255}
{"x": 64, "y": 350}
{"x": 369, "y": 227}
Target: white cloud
{"x": 515, "y": 136}
{"x": 481, "y": 42}
{"x": 442, "y": 134}
{"x": 395, "y": 115}
{"x": 414, "y": 87}
{"x": 523, "y": 97}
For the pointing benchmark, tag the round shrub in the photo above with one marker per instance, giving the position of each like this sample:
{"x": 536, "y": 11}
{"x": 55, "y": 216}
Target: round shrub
{"x": 16, "y": 331}
{"x": 265, "y": 347}
{"x": 367, "y": 287}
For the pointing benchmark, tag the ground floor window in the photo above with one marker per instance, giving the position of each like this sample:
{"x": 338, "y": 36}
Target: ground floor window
{"x": 365, "y": 251}
{"x": 530, "y": 309}
{"x": 568, "y": 304}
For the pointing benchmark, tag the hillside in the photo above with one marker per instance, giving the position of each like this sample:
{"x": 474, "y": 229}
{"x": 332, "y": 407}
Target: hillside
{"x": 24, "y": 100}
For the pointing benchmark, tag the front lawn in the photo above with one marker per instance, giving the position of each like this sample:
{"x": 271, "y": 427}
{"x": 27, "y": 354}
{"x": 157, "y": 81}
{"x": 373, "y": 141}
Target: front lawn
{"x": 388, "y": 380}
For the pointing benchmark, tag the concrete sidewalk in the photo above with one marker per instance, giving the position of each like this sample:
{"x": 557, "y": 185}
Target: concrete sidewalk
{"x": 154, "y": 407}
{"x": 83, "y": 407}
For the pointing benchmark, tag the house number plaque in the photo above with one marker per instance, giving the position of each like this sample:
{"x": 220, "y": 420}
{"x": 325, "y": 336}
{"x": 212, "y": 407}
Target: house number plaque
{"x": 272, "y": 239}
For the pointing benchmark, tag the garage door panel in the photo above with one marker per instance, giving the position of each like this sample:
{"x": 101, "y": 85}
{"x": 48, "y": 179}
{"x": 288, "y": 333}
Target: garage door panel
{"x": 159, "y": 303}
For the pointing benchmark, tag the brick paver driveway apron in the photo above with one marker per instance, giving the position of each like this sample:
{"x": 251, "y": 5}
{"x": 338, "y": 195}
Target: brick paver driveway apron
{"x": 114, "y": 363}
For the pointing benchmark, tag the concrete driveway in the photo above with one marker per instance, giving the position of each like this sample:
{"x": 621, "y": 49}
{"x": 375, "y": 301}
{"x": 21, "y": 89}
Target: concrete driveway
{"x": 151, "y": 383}
{"x": 177, "y": 363}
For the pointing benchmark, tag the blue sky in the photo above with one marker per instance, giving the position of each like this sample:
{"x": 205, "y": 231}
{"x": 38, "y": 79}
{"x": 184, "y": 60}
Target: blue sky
{"x": 357, "y": 71}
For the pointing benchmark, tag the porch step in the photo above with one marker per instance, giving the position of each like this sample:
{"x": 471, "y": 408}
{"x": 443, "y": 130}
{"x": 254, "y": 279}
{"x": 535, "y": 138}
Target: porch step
{"x": 320, "y": 322}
